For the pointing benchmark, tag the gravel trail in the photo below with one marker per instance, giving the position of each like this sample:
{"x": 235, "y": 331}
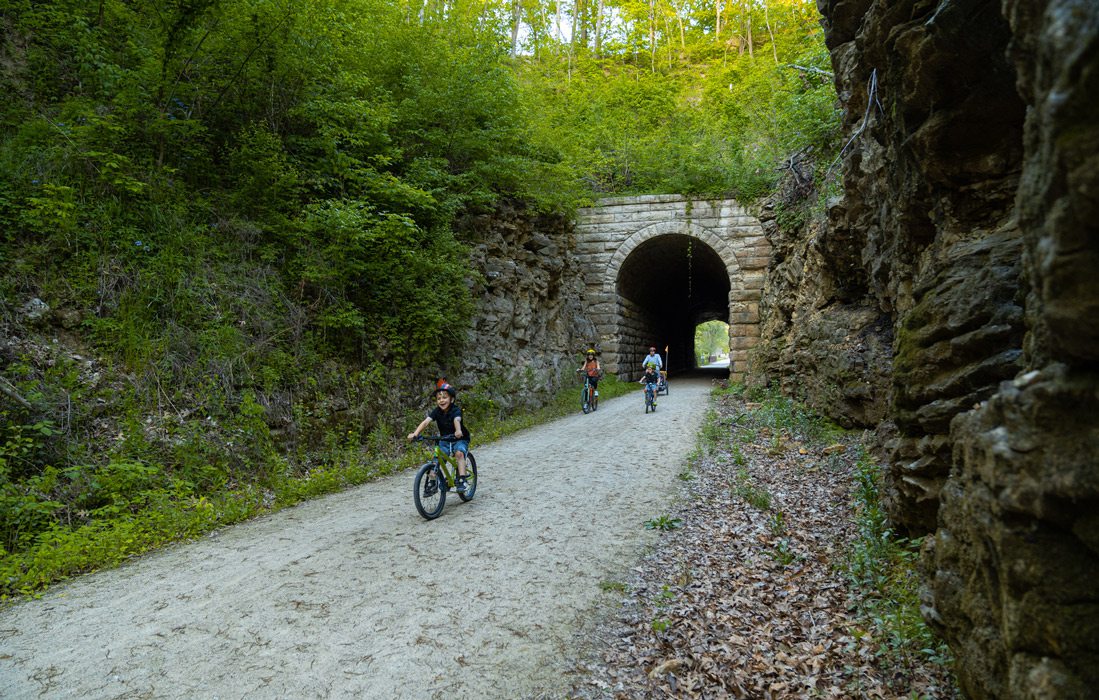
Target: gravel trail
{"x": 356, "y": 596}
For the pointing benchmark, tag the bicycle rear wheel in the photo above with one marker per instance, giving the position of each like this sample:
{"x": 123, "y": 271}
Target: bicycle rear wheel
{"x": 471, "y": 478}
{"x": 429, "y": 491}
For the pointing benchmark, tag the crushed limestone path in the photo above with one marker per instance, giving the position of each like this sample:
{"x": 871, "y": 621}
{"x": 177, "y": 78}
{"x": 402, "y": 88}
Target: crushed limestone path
{"x": 356, "y": 596}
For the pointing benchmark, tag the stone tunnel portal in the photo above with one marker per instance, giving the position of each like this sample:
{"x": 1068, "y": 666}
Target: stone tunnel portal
{"x": 655, "y": 266}
{"x": 667, "y": 286}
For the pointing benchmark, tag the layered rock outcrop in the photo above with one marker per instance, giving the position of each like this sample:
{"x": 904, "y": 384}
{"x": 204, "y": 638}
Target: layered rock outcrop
{"x": 964, "y": 256}
{"x": 530, "y": 326}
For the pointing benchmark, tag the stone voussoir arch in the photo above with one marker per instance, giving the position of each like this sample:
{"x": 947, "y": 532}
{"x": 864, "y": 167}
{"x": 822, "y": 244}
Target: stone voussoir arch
{"x": 665, "y": 228}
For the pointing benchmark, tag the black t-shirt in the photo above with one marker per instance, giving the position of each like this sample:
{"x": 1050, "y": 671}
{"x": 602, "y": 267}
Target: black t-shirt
{"x": 445, "y": 421}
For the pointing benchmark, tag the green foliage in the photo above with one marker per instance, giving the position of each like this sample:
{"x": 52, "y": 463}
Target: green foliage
{"x": 613, "y": 587}
{"x": 782, "y": 553}
{"x": 711, "y": 339}
{"x": 564, "y": 402}
{"x": 713, "y": 431}
{"x": 755, "y": 496}
{"x": 699, "y": 121}
{"x": 663, "y": 599}
{"x": 885, "y": 566}
{"x": 664, "y": 523}
{"x": 779, "y": 413}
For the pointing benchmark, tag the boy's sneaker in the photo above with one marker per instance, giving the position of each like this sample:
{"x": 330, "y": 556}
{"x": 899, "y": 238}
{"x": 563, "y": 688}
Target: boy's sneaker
{"x": 460, "y": 485}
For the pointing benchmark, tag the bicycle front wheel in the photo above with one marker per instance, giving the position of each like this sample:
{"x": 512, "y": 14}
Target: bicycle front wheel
{"x": 429, "y": 491}
{"x": 585, "y": 399}
{"x": 471, "y": 478}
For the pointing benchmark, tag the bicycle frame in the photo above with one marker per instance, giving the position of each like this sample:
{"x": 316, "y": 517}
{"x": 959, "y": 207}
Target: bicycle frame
{"x": 439, "y": 475}
{"x": 448, "y": 464}
{"x": 588, "y": 399}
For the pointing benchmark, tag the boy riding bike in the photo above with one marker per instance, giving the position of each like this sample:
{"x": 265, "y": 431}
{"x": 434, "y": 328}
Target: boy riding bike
{"x": 448, "y": 418}
{"x": 651, "y": 379}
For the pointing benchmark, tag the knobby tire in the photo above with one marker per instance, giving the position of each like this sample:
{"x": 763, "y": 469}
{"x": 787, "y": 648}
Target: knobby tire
{"x": 471, "y": 478}
{"x": 429, "y": 494}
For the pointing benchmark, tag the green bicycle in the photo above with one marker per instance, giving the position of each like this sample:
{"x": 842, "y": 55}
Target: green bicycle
{"x": 439, "y": 476}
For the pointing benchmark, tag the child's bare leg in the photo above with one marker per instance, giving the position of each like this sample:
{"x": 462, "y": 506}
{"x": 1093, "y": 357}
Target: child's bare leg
{"x": 461, "y": 457}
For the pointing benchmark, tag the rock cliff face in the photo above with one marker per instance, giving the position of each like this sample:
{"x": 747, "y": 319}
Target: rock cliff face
{"x": 530, "y": 325}
{"x": 960, "y": 271}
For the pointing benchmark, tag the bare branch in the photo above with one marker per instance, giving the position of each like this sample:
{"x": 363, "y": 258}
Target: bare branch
{"x": 810, "y": 69}
{"x": 871, "y": 100}
{"x": 8, "y": 390}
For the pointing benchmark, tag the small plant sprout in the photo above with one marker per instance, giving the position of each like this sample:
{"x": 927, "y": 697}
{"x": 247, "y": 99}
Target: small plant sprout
{"x": 663, "y": 522}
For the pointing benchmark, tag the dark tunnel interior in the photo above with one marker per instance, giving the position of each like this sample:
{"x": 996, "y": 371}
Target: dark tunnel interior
{"x": 681, "y": 282}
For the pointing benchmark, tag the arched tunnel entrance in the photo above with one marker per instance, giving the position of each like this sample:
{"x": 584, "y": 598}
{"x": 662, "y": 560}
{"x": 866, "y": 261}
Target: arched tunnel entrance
{"x": 667, "y": 286}
{"x": 656, "y": 266}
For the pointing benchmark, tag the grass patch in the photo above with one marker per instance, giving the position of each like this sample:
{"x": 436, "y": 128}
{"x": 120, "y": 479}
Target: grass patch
{"x": 565, "y": 402}
{"x": 743, "y": 488}
{"x": 663, "y": 522}
{"x": 883, "y": 565}
{"x": 612, "y": 587}
{"x": 782, "y": 415}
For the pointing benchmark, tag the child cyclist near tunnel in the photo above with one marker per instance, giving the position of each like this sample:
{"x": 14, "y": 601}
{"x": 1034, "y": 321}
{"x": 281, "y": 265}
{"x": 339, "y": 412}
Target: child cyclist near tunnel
{"x": 448, "y": 418}
{"x": 592, "y": 368}
{"x": 651, "y": 378}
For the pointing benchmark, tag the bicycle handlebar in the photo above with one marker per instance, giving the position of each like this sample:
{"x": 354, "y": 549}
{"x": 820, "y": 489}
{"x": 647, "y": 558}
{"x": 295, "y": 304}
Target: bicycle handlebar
{"x": 436, "y": 438}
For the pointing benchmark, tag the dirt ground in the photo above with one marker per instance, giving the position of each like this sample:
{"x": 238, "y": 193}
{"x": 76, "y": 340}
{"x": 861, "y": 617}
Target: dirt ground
{"x": 356, "y": 596}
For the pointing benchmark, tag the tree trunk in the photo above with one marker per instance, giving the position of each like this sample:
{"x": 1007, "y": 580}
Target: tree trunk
{"x": 516, "y": 15}
{"x": 767, "y": 21}
{"x": 585, "y": 21}
{"x": 572, "y": 31}
{"x": 652, "y": 34}
{"x": 751, "y": 47}
{"x": 599, "y": 29}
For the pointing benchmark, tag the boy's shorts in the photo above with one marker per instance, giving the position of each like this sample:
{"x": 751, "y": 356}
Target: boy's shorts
{"x": 451, "y": 447}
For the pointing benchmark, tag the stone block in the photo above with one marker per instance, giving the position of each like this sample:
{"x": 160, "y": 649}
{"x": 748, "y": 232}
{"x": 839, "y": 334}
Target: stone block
{"x": 744, "y": 342}
{"x": 753, "y": 280}
{"x": 593, "y": 220}
{"x": 745, "y": 295}
{"x": 754, "y": 262}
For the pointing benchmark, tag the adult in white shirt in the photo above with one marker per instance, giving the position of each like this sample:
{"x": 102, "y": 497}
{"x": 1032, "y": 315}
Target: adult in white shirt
{"x": 654, "y": 358}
